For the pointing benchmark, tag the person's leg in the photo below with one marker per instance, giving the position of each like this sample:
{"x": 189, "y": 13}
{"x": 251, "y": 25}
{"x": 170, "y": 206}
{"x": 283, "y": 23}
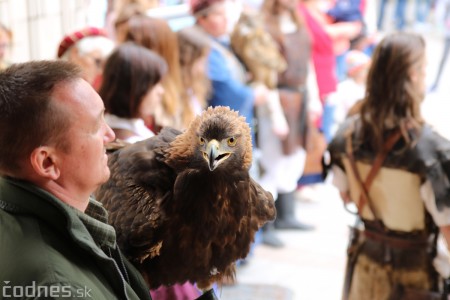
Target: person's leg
{"x": 341, "y": 66}
{"x": 327, "y": 120}
{"x": 269, "y": 237}
{"x": 381, "y": 14}
{"x": 441, "y": 64}
{"x": 422, "y": 9}
{"x": 400, "y": 14}
{"x": 268, "y": 156}
{"x": 286, "y": 218}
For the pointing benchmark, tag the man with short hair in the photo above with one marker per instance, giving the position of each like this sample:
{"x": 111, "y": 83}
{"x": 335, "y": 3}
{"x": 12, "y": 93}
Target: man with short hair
{"x": 54, "y": 238}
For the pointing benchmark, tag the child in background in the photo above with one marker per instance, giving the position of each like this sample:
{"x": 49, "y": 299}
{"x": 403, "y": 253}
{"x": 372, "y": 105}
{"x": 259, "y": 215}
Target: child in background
{"x": 352, "y": 89}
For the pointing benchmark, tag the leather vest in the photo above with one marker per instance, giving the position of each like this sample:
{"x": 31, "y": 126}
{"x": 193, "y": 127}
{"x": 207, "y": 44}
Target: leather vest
{"x": 296, "y": 49}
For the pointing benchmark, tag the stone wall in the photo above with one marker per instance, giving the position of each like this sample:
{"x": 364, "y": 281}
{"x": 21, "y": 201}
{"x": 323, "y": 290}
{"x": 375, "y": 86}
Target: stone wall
{"x": 39, "y": 25}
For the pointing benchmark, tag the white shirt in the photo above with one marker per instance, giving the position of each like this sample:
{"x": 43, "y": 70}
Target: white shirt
{"x": 136, "y": 126}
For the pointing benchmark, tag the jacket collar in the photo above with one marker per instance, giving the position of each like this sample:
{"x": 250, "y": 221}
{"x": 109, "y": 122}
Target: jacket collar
{"x": 21, "y": 197}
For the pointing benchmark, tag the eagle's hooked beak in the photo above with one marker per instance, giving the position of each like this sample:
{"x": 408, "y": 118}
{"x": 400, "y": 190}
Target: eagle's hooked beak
{"x": 213, "y": 155}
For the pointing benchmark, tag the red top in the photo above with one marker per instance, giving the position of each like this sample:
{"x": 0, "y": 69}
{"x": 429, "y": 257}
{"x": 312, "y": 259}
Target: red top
{"x": 323, "y": 56}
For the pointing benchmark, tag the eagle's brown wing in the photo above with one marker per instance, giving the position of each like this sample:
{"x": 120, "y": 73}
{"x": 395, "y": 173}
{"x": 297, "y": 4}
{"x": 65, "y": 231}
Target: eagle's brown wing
{"x": 135, "y": 194}
{"x": 263, "y": 205}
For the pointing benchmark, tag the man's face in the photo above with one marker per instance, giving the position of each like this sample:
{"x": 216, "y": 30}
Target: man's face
{"x": 216, "y": 21}
{"x": 84, "y": 166}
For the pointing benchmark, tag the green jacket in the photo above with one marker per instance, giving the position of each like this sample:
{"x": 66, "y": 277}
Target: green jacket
{"x": 46, "y": 252}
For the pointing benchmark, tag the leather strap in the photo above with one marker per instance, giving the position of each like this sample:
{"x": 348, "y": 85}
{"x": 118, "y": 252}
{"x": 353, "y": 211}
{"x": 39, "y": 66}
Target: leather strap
{"x": 416, "y": 242}
{"x": 378, "y": 162}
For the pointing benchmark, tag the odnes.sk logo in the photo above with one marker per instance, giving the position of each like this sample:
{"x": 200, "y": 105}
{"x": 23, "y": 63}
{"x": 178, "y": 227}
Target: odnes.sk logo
{"x": 34, "y": 290}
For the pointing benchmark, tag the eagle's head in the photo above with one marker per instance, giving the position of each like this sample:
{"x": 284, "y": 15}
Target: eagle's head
{"x": 218, "y": 138}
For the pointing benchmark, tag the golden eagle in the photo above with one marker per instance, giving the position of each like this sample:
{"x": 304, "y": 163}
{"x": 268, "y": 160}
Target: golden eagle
{"x": 183, "y": 203}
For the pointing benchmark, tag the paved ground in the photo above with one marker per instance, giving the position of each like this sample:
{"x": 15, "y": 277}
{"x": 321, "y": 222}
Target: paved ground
{"x": 312, "y": 263}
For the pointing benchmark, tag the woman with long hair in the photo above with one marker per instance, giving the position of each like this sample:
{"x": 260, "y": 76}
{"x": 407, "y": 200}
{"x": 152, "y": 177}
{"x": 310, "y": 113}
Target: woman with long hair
{"x": 132, "y": 90}
{"x": 156, "y": 34}
{"x": 389, "y": 162}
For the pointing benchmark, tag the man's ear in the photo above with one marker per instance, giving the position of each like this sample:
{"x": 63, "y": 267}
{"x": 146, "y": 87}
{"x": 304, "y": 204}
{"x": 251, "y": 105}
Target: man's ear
{"x": 42, "y": 160}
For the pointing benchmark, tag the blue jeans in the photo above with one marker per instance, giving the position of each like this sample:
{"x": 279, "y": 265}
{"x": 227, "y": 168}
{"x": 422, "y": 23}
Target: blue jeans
{"x": 422, "y": 10}
{"x": 400, "y": 11}
{"x": 327, "y": 121}
{"x": 399, "y": 16}
{"x": 341, "y": 66}
{"x": 381, "y": 14}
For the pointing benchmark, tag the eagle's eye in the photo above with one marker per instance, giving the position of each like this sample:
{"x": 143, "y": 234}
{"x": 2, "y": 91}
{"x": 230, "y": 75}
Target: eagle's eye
{"x": 201, "y": 141}
{"x": 232, "y": 141}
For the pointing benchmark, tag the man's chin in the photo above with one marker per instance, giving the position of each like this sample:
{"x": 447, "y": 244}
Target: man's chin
{"x": 106, "y": 176}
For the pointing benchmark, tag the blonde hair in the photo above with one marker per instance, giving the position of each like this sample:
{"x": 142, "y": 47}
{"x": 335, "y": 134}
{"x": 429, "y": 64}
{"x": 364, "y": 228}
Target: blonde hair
{"x": 194, "y": 45}
{"x": 156, "y": 34}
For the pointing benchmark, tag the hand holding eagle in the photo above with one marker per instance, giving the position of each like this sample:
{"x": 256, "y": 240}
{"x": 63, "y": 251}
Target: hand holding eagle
{"x": 183, "y": 203}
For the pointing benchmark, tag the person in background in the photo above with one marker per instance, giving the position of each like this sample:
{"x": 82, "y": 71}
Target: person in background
{"x": 324, "y": 66}
{"x": 322, "y": 49}
{"x": 352, "y": 89}
{"x": 393, "y": 167}
{"x": 399, "y": 14}
{"x": 194, "y": 52}
{"x": 156, "y": 34}
{"x": 132, "y": 90}
{"x": 5, "y": 44}
{"x": 119, "y": 11}
{"x": 283, "y": 159}
{"x": 345, "y": 25}
{"x": 55, "y": 240}
{"x": 370, "y": 34}
{"x": 443, "y": 17}
{"x": 88, "y": 48}
{"x": 227, "y": 74}
{"x": 122, "y": 18}
{"x": 422, "y": 9}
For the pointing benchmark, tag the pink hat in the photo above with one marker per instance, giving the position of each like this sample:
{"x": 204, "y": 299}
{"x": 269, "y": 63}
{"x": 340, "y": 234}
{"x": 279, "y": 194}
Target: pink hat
{"x": 70, "y": 39}
{"x": 355, "y": 61}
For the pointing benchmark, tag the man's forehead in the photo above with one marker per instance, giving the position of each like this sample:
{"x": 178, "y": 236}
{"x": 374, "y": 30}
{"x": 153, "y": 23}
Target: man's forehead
{"x": 76, "y": 93}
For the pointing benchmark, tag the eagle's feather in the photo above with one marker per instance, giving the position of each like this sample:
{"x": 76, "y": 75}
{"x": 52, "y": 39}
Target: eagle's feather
{"x": 183, "y": 204}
